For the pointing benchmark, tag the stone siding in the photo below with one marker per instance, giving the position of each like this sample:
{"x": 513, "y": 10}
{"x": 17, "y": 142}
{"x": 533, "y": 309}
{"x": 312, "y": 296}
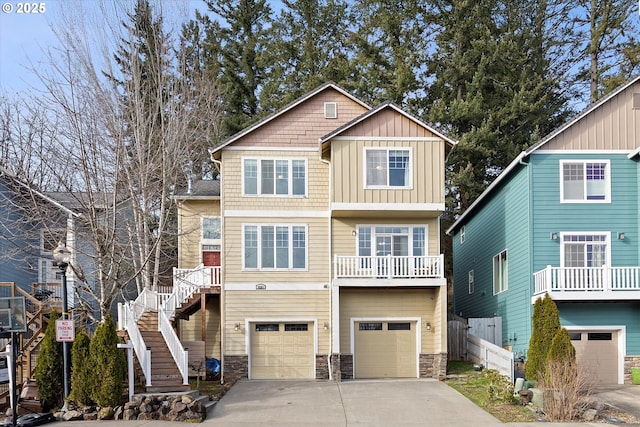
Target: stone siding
{"x": 630, "y": 362}
{"x": 433, "y": 365}
{"x": 236, "y": 368}
{"x": 346, "y": 367}
{"x": 322, "y": 367}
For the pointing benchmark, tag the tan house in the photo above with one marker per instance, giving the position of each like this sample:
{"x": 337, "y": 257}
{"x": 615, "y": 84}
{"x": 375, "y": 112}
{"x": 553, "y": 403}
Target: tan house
{"x": 320, "y": 252}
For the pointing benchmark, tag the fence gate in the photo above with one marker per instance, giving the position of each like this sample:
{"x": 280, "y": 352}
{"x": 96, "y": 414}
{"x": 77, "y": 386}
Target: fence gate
{"x": 456, "y": 340}
{"x": 487, "y": 328}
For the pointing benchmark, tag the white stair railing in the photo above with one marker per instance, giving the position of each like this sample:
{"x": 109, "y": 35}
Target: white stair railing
{"x": 178, "y": 352}
{"x": 131, "y": 313}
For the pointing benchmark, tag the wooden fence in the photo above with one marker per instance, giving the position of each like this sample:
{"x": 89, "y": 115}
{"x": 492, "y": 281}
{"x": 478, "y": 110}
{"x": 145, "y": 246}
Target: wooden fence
{"x": 457, "y": 332}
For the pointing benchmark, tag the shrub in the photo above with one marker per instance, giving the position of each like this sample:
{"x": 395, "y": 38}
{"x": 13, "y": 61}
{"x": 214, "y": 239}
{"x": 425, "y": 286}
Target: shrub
{"x": 500, "y": 388}
{"x": 49, "y": 370}
{"x": 109, "y": 365}
{"x": 545, "y": 322}
{"x": 567, "y": 388}
{"x": 561, "y": 349}
{"x": 82, "y": 370}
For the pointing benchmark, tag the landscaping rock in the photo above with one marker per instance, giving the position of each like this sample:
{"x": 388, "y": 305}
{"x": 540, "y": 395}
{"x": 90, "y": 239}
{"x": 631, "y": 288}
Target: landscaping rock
{"x": 73, "y": 416}
{"x": 589, "y": 415}
{"x": 105, "y": 413}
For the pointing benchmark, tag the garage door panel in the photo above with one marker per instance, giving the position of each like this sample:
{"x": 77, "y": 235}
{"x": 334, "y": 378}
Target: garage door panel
{"x": 383, "y": 351}
{"x": 282, "y": 350}
{"x": 597, "y": 352}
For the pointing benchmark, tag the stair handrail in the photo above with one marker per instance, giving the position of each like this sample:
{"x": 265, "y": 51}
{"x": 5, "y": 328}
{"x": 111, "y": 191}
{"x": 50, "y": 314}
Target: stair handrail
{"x": 131, "y": 312}
{"x": 178, "y": 352}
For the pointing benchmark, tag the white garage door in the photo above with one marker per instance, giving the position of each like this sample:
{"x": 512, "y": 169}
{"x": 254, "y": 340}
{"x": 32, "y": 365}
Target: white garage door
{"x": 282, "y": 350}
{"x": 597, "y": 351}
{"x": 385, "y": 349}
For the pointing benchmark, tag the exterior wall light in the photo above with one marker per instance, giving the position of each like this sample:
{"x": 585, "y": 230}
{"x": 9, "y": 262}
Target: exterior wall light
{"x": 236, "y": 327}
{"x": 620, "y": 236}
{"x": 428, "y": 326}
{"x": 553, "y": 236}
{"x": 326, "y": 326}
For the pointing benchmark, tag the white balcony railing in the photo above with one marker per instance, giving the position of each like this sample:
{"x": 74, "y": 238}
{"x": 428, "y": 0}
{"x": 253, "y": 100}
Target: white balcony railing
{"x": 610, "y": 281}
{"x": 388, "y": 267}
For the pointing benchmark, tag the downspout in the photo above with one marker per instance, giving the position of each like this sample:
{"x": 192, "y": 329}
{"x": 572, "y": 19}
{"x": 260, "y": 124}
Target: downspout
{"x": 218, "y": 164}
{"x": 529, "y": 237}
{"x": 330, "y": 282}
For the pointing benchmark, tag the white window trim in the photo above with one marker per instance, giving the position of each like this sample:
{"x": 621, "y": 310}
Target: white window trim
{"x": 290, "y": 161}
{"x": 409, "y": 243}
{"x": 462, "y": 234}
{"x": 493, "y": 266}
{"x": 607, "y": 196}
{"x": 607, "y": 242}
{"x": 334, "y": 105}
{"x": 408, "y": 186}
{"x": 259, "y": 255}
{"x": 471, "y": 282}
{"x": 204, "y": 241}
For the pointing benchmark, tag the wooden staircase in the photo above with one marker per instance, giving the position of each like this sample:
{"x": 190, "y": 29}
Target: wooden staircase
{"x": 165, "y": 376}
{"x": 194, "y": 303}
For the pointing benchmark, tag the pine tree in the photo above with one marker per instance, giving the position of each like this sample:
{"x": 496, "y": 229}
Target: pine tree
{"x": 561, "y": 349}
{"x": 109, "y": 365}
{"x": 82, "y": 370}
{"x": 545, "y": 325}
{"x": 49, "y": 366}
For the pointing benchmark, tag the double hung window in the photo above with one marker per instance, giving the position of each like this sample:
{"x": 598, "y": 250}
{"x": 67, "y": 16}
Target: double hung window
{"x": 275, "y": 177}
{"x": 388, "y": 167}
{"x": 584, "y": 181}
{"x": 585, "y": 250}
{"x": 211, "y": 228}
{"x": 275, "y": 247}
{"x": 500, "y": 272}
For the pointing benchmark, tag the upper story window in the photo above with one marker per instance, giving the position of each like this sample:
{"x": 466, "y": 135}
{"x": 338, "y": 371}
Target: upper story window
{"x": 211, "y": 228}
{"x": 462, "y": 234}
{"x": 275, "y": 177}
{"x": 585, "y": 181}
{"x": 392, "y": 240}
{"x": 388, "y": 167}
{"x": 500, "y": 273}
{"x": 470, "y": 281}
{"x": 585, "y": 249}
{"x": 275, "y": 247}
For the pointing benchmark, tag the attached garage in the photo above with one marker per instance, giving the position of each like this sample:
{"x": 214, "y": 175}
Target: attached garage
{"x": 385, "y": 349}
{"x": 597, "y": 351}
{"x": 282, "y": 350}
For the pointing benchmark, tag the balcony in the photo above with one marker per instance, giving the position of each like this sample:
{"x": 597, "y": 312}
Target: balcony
{"x": 199, "y": 277}
{"x": 588, "y": 283}
{"x": 399, "y": 270}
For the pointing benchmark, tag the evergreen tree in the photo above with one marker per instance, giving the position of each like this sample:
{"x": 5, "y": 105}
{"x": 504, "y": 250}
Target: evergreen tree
{"x": 561, "y": 349}
{"x": 545, "y": 325}
{"x": 308, "y": 47}
{"x": 109, "y": 365}
{"x": 236, "y": 46}
{"x": 49, "y": 366}
{"x": 82, "y": 370}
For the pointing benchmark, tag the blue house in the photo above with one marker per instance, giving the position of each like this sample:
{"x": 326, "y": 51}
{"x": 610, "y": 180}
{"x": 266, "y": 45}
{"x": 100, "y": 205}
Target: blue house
{"x": 563, "y": 219}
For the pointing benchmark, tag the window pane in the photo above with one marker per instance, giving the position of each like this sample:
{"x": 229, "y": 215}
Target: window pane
{"x": 500, "y": 273}
{"x": 250, "y": 177}
{"x": 364, "y": 241}
{"x": 282, "y": 247}
{"x": 251, "y": 247}
{"x": 211, "y": 227}
{"x": 299, "y": 247}
{"x": 376, "y": 167}
{"x": 267, "y": 177}
{"x": 419, "y": 234}
{"x": 370, "y": 326}
{"x": 282, "y": 177}
{"x": 573, "y": 181}
{"x": 296, "y": 327}
{"x": 299, "y": 177}
{"x": 596, "y": 181}
{"x": 398, "y": 168}
{"x": 267, "y": 242}
{"x": 267, "y": 327}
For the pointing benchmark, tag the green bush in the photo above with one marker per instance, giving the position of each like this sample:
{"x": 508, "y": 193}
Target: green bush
{"x": 109, "y": 365}
{"x": 82, "y": 370}
{"x": 561, "y": 349}
{"x": 500, "y": 388}
{"x": 545, "y": 322}
{"x": 49, "y": 371}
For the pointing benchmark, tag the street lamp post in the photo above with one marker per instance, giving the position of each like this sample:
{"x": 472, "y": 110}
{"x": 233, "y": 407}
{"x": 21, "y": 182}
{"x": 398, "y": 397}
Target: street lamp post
{"x": 61, "y": 256}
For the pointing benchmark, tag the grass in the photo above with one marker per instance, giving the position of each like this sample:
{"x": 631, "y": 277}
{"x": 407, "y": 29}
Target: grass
{"x": 488, "y": 390}
{"x": 211, "y": 388}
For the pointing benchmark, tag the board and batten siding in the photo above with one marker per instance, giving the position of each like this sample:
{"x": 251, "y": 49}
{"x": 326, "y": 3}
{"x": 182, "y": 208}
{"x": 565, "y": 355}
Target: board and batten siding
{"x": 317, "y": 182}
{"x": 190, "y": 229}
{"x": 614, "y": 125}
{"x": 318, "y": 260}
{"x": 605, "y": 314}
{"x": 303, "y": 125}
{"x": 191, "y": 329}
{"x": 552, "y": 216}
{"x": 345, "y": 243}
{"x": 501, "y": 224}
{"x": 276, "y": 305}
{"x": 348, "y": 166}
{"x": 426, "y": 304}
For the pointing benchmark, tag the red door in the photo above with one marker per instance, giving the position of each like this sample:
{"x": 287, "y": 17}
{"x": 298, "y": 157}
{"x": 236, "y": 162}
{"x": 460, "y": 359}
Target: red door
{"x": 211, "y": 259}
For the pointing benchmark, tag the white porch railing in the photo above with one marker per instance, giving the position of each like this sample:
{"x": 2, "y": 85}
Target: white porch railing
{"x": 391, "y": 267}
{"x": 490, "y": 355}
{"x": 587, "y": 279}
{"x": 128, "y": 315}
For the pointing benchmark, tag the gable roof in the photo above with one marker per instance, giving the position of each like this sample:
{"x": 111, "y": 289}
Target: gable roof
{"x": 282, "y": 111}
{"x": 40, "y": 194}
{"x": 204, "y": 189}
{"x": 505, "y": 173}
{"x": 383, "y": 106}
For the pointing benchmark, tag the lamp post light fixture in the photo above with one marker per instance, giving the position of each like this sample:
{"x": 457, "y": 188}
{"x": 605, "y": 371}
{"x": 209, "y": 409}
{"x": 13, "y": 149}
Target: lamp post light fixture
{"x": 61, "y": 257}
